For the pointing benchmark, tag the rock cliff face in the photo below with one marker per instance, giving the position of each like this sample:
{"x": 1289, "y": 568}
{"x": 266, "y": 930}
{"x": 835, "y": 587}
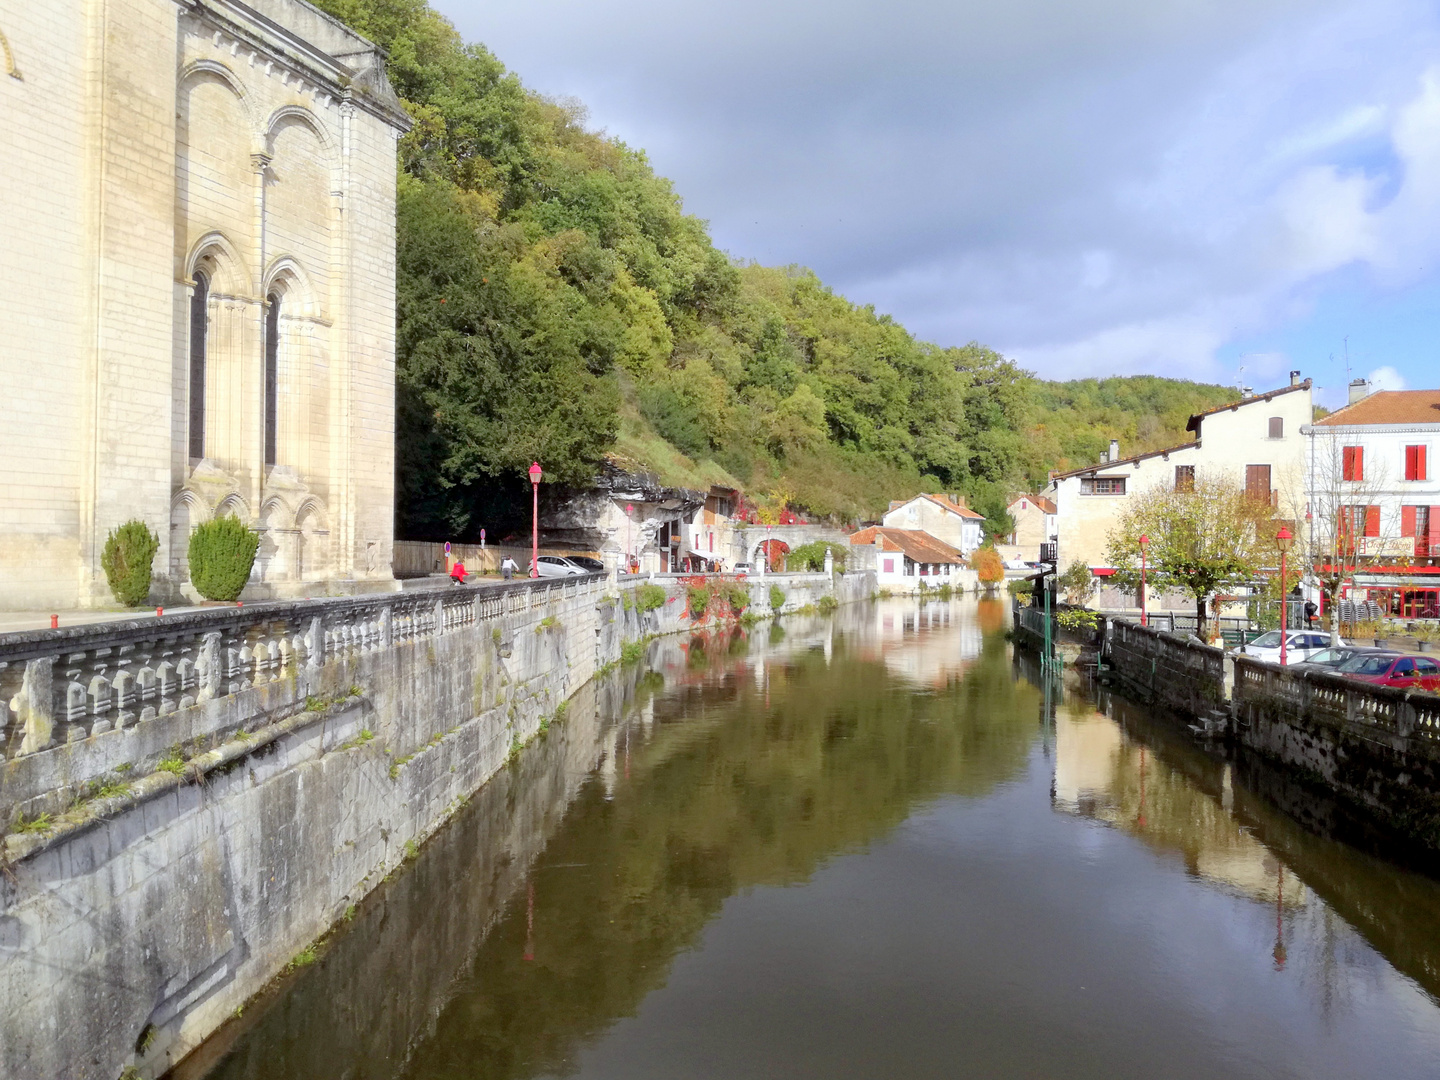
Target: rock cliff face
{"x": 595, "y": 518}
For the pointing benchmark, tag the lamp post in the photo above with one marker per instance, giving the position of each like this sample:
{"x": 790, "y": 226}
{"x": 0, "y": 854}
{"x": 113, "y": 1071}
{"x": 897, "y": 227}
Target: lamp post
{"x": 1144, "y": 543}
{"x": 535, "y": 519}
{"x": 1284, "y": 541}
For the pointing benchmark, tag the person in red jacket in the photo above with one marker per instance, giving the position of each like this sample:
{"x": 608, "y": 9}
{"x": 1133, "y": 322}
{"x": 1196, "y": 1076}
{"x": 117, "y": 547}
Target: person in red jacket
{"x": 457, "y": 573}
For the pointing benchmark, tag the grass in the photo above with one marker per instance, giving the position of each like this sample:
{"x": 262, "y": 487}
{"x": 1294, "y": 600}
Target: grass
{"x": 496, "y": 635}
{"x": 411, "y": 850}
{"x": 304, "y": 958}
{"x": 547, "y": 623}
{"x": 124, "y": 766}
{"x": 631, "y": 652}
{"x": 349, "y": 913}
{"x": 359, "y": 740}
{"x": 172, "y": 762}
{"x": 648, "y": 597}
{"x": 105, "y": 788}
{"x": 827, "y": 604}
{"x": 38, "y": 824}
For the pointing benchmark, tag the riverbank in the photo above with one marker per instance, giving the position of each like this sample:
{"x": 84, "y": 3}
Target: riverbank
{"x": 191, "y": 803}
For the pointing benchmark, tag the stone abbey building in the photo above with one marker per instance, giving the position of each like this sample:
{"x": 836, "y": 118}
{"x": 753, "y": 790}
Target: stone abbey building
{"x": 196, "y": 291}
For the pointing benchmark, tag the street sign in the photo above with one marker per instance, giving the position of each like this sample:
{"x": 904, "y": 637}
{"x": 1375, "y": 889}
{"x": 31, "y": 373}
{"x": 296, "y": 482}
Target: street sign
{"x": 447, "y": 547}
{"x": 482, "y": 538}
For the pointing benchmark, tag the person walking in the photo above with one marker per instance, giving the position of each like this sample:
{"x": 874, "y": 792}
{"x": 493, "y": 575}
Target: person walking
{"x": 508, "y": 566}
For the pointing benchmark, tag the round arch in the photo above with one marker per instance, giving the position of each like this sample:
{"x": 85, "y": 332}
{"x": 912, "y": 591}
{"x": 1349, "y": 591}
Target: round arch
{"x": 301, "y": 115}
{"x": 213, "y": 69}
{"x": 219, "y": 259}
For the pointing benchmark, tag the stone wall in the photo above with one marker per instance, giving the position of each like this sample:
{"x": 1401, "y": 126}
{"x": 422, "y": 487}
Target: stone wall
{"x": 1165, "y": 669}
{"x": 203, "y": 833}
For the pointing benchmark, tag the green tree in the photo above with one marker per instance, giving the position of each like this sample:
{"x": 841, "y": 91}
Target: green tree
{"x": 1199, "y": 539}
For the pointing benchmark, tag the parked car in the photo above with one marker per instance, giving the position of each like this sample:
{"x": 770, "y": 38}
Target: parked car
{"x": 1331, "y": 659}
{"x": 559, "y": 566}
{"x": 742, "y": 568}
{"x": 1300, "y": 645}
{"x": 1402, "y": 670}
{"x": 593, "y": 566}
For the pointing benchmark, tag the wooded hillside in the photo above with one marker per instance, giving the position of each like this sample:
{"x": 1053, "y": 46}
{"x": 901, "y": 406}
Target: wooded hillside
{"x": 556, "y": 303}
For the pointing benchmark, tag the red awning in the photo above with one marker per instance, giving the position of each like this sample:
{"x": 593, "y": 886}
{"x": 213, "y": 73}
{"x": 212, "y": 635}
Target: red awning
{"x": 1102, "y": 571}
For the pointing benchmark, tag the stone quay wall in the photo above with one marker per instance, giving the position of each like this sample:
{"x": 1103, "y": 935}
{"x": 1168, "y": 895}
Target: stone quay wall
{"x": 190, "y": 801}
{"x": 1374, "y": 747}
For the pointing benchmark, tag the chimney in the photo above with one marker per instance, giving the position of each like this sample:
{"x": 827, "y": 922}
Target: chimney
{"x": 1295, "y": 378}
{"x": 1359, "y": 388}
{"x": 1114, "y": 449}
{"x": 1247, "y": 391}
{"x": 1104, "y": 457}
{"x": 958, "y": 500}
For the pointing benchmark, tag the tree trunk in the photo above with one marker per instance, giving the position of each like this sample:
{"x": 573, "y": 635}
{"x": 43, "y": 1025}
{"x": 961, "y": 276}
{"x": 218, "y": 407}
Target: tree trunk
{"x": 1200, "y": 620}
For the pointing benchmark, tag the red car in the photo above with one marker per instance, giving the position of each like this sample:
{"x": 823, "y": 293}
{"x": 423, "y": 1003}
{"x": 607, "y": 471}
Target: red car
{"x": 1406, "y": 672}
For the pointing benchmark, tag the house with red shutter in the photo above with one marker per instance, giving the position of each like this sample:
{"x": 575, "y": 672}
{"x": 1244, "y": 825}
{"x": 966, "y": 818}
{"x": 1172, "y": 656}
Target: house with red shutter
{"x": 1374, "y": 499}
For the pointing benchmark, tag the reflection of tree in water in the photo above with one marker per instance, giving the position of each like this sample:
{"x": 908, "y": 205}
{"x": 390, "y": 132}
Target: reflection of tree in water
{"x": 723, "y": 796}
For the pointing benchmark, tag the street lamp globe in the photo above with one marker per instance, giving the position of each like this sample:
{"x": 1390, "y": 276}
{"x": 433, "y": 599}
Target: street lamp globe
{"x": 1284, "y": 539}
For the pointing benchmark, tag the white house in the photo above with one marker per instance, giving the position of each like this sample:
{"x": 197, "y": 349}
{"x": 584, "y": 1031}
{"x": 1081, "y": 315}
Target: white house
{"x": 1257, "y": 440}
{"x": 1373, "y": 490}
{"x": 1035, "y": 524}
{"x": 945, "y": 517}
{"x": 907, "y": 558}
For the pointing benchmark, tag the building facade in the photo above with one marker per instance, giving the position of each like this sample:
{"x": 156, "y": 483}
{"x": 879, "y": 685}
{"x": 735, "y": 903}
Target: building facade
{"x": 1035, "y": 524}
{"x": 943, "y": 516}
{"x": 1374, "y": 499}
{"x": 1257, "y": 441}
{"x": 906, "y": 559}
{"x": 199, "y": 283}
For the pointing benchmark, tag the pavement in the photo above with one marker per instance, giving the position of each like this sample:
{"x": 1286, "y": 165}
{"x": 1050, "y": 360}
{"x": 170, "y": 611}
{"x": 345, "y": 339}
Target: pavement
{"x": 17, "y": 621}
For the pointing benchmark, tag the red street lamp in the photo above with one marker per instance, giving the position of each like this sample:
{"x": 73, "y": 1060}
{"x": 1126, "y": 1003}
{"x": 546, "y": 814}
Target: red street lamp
{"x": 1284, "y": 540}
{"x": 1144, "y": 543}
{"x": 535, "y": 519}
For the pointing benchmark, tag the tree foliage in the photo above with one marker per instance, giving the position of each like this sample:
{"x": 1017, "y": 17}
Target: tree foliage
{"x": 1199, "y": 540}
{"x": 988, "y": 566}
{"x": 556, "y": 303}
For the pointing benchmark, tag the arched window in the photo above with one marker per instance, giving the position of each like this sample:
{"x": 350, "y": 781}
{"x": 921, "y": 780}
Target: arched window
{"x": 199, "y": 324}
{"x": 272, "y": 380}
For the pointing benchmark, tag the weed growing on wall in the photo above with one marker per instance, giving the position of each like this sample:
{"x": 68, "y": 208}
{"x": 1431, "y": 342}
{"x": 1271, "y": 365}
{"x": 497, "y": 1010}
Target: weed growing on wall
{"x": 649, "y": 597}
{"x": 777, "y": 598}
{"x": 222, "y": 553}
{"x": 128, "y": 558}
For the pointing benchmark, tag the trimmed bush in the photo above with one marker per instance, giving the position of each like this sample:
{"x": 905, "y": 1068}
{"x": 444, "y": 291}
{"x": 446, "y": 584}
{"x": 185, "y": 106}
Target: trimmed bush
{"x": 699, "y": 597}
{"x": 222, "y": 552}
{"x": 739, "y": 598}
{"x": 777, "y": 598}
{"x": 128, "y": 559}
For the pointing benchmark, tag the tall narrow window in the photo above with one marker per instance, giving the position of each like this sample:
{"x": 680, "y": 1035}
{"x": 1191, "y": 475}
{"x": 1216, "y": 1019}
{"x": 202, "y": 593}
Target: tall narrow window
{"x": 1277, "y": 427}
{"x": 272, "y": 373}
{"x": 1184, "y": 477}
{"x": 1257, "y": 482}
{"x": 1416, "y": 467}
{"x": 199, "y": 324}
{"x": 1352, "y": 463}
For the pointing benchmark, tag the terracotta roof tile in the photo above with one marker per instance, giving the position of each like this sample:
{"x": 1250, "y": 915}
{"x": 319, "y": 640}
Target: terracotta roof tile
{"x": 918, "y": 544}
{"x": 1388, "y": 407}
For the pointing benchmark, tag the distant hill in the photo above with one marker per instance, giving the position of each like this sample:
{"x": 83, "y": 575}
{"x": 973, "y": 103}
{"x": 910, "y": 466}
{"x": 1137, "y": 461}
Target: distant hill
{"x": 1074, "y": 421}
{"x": 555, "y": 303}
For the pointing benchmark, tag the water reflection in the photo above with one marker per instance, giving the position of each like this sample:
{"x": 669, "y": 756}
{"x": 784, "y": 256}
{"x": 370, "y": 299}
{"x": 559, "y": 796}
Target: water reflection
{"x": 862, "y": 846}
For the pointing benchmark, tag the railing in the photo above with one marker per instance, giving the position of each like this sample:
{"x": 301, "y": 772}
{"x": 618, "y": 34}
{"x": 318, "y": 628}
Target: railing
{"x": 65, "y": 685}
{"x": 1307, "y": 695}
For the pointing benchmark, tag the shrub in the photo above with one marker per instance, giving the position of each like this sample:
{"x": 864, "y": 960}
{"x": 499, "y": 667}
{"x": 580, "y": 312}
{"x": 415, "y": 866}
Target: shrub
{"x": 699, "y": 597}
{"x": 649, "y": 597}
{"x": 1021, "y": 587}
{"x": 739, "y": 598}
{"x": 777, "y": 597}
{"x": 1078, "y": 619}
{"x": 128, "y": 557}
{"x": 827, "y": 604}
{"x": 1077, "y": 583}
{"x": 222, "y": 551}
{"x": 811, "y": 556}
{"x": 987, "y": 565}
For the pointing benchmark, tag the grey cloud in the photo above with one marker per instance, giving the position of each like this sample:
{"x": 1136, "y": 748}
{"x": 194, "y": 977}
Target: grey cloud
{"x": 1081, "y": 185}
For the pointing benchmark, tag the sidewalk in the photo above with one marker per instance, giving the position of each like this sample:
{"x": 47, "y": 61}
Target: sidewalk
{"x": 16, "y": 621}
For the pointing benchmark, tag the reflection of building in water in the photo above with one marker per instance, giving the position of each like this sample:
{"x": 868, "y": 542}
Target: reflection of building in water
{"x": 1102, "y": 775}
{"x": 912, "y": 653}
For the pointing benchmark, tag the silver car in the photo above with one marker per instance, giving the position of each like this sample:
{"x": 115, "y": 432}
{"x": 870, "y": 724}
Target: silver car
{"x": 559, "y": 566}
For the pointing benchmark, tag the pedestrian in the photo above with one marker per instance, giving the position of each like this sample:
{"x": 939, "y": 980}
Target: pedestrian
{"x": 508, "y": 567}
{"x": 1310, "y": 611}
{"x": 457, "y": 572}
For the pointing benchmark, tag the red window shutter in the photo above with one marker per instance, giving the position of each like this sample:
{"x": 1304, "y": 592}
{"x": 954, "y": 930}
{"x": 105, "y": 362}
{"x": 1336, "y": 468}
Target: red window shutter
{"x": 1434, "y": 527}
{"x": 1407, "y": 521}
{"x": 1422, "y": 467}
{"x": 1347, "y": 463}
{"x": 1372, "y": 521}
{"x": 1359, "y": 463}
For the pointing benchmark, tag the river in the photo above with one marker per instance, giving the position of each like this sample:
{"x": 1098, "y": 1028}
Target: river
{"x": 866, "y": 845}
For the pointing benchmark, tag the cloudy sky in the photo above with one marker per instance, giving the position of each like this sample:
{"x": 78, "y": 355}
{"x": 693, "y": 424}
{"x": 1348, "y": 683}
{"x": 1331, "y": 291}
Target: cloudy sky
{"x": 1212, "y": 189}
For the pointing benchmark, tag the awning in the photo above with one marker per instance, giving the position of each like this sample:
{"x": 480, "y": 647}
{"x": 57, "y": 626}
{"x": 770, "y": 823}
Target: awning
{"x": 1102, "y": 571}
{"x": 708, "y": 556}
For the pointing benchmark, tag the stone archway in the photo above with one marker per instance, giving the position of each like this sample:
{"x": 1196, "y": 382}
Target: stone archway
{"x": 774, "y": 551}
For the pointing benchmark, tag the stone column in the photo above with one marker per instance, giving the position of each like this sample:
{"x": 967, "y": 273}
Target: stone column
{"x": 34, "y": 705}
